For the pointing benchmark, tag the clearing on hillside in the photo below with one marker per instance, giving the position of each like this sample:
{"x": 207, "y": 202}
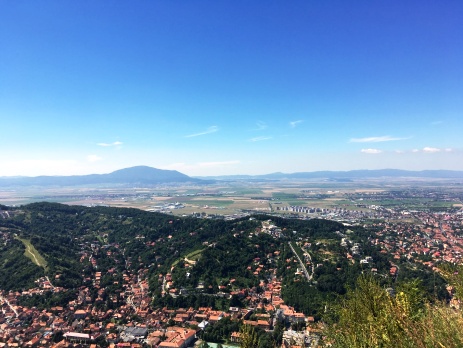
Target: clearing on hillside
{"x": 191, "y": 258}
{"x": 33, "y": 254}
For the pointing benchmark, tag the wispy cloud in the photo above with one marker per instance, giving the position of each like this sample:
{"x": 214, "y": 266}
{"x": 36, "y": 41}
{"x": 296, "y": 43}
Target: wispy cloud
{"x": 293, "y": 124}
{"x": 210, "y": 130}
{"x": 116, "y": 143}
{"x": 260, "y": 138}
{"x": 423, "y": 150}
{"x": 375, "y": 139}
{"x": 431, "y": 150}
{"x": 94, "y": 158}
{"x": 371, "y": 151}
{"x": 261, "y": 125}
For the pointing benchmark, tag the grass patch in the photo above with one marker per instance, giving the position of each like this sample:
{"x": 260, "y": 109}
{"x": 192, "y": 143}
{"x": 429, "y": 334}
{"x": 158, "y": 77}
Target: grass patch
{"x": 249, "y": 191}
{"x": 193, "y": 256}
{"x": 212, "y": 202}
{"x": 300, "y": 203}
{"x": 33, "y": 254}
{"x": 327, "y": 241}
{"x": 282, "y": 196}
{"x": 409, "y": 203}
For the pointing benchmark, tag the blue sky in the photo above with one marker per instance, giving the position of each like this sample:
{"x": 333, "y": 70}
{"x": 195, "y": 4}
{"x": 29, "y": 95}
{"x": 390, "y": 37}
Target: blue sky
{"x": 230, "y": 87}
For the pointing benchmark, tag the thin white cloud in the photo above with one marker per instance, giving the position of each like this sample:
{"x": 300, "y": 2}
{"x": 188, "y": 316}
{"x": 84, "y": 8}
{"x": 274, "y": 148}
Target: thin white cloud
{"x": 375, "y": 139}
{"x": 371, "y": 151}
{"x": 431, "y": 150}
{"x": 426, "y": 150}
{"x": 210, "y": 130}
{"x": 260, "y": 138}
{"x": 94, "y": 158}
{"x": 116, "y": 143}
{"x": 293, "y": 124}
{"x": 261, "y": 125}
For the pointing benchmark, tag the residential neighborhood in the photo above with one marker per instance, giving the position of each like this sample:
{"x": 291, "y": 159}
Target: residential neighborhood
{"x": 114, "y": 305}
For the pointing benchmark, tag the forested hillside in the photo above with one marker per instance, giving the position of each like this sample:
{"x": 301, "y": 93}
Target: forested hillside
{"x": 208, "y": 262}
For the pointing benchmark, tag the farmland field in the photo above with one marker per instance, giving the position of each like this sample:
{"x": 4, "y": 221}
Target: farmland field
{"x": 230, "y": 198}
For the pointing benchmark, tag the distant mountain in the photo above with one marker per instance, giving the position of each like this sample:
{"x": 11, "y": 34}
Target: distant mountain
{"x": 128, "y": 176}
{"x": 348, "y": 175}
{"x": 143, "y": 175}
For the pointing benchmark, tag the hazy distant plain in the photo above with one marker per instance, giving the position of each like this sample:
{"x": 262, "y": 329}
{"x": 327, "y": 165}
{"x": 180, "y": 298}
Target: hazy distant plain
{"x": 227, "y": 198}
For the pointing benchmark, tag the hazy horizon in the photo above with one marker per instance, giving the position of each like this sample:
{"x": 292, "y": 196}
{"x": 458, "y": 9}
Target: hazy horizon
{"x": 230, "y": 88}
{"x": 242, "y": 174}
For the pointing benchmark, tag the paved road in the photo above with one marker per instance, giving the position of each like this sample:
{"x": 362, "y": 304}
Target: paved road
{"x": 306, "y": 273}
{"x": 8, "y": 303}
{"x": 50, "y": 282}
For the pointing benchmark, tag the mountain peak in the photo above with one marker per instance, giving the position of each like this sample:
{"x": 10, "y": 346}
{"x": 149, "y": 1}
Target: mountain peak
{"x": 145, "y": 173}
{"x": 133, "y": 175}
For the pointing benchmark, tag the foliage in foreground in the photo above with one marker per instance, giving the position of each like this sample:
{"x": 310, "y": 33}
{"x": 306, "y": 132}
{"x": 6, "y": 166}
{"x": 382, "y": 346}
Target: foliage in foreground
{"x": 370, "y": 316}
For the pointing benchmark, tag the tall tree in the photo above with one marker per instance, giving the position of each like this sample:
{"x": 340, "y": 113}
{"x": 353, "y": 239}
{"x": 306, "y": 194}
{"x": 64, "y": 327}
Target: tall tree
{"x": 248, "y": 337}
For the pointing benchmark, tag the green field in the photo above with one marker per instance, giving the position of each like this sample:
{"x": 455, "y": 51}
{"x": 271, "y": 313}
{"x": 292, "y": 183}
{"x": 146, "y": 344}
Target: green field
{"x": 212, "y": 202}
{"x": 247, "y": 191}
{"x": 193, "y": 256}
{"x": 282, "y": 196}
{"x": 33, "y": 254}
{"x": 299, "y": 203}
{"x": 410, "y": 203}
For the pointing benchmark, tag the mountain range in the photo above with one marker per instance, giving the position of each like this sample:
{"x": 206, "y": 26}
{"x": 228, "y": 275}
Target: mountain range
{"x": 128, "y": 176}
{"x": 144, "y": 175}
{"x": 348, "y": 175}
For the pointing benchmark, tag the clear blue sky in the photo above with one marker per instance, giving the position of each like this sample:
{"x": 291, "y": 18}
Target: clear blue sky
{"x": 230, "y": 87}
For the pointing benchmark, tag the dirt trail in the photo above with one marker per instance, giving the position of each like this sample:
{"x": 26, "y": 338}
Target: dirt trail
{"x": 33, "y": 255}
